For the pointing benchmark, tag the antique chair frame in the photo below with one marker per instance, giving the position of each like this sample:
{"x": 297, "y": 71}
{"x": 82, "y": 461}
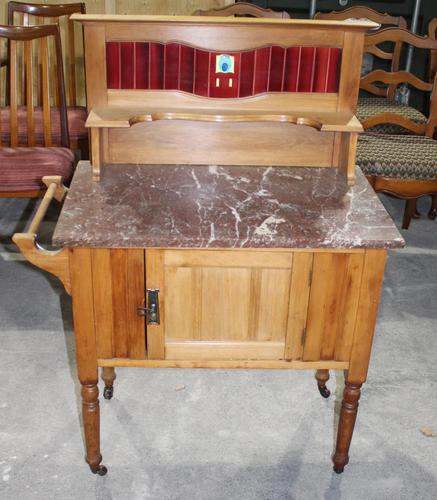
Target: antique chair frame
{"x": 409, "y": 190}
{"x": 27, "y": 35}
{"x": 54, "y": 12}
{"x": 432, "y": 33}
{"x": 383, "y": 20}
{"x": 243, "y": 9}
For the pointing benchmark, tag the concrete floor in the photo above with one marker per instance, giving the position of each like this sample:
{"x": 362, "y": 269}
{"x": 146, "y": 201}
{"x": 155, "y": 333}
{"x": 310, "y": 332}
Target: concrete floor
{"x": 228, "y": 434}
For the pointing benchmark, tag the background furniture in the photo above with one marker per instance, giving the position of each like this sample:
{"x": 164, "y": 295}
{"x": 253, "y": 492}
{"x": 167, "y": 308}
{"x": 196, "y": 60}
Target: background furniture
{"x": 260, "y": 282}
{"x": 243, "y": 9}
{"x": 29, "y": 13}
{"x": 29, "y": 153}
{"x": 401, "y": 165}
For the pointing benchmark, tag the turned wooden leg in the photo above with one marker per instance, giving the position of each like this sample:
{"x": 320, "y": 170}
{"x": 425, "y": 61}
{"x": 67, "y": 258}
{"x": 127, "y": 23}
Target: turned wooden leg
{"x": 410, "y": 213}
{"x": 91, "y": 423}
{"x": 108, "y": 376}
{"x": 432, "y": 214}
{"x": 348, "y": 415}
{"x": 322, "y": 376}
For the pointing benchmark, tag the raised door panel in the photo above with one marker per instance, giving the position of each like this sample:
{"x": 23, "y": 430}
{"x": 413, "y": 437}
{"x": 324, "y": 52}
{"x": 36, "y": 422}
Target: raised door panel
{"x": 219, "y": 304}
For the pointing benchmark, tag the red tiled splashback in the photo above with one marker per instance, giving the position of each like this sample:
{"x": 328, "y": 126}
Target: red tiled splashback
{"x": 174, "y": 66}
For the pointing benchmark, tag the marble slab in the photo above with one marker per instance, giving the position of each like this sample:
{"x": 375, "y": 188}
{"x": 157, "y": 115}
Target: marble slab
{"x": 222, "y": 207}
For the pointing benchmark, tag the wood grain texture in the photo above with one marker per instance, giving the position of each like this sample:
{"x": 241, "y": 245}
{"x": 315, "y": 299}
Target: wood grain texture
{"x": 243, "y": 9}
{"x": 118, "y": 281}
{"x": 332, "y": 305}
{"x": 155, "y": 278}
{"x": 298, "y": 305}
{"x": 125, "y": 117}
{"x": 103, "y": 310}
{"x": 222, "y": 143}
{"x": 226, "y": 364}
{"x": 226, "y": 296}
{"x": 210, "y": 350}
{"x": 350, "y": 72}
{"x": 370, "y": 290}
{"x": 83, "y": 315}
{"x": 95, "y": 66}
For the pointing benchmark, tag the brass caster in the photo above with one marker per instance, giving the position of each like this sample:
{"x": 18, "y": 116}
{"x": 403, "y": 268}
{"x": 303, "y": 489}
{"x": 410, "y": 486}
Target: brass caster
{"x": 108, "y": 392}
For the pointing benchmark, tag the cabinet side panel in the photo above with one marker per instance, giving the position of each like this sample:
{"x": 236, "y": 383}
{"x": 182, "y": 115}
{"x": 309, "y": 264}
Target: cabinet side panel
{"x": 370, "y": 291}
{"x": 298, "y": 304}
{"x": 349, "y": 307}
{"x": 324, "y": 310}
{"x": 83, "y": 313}
{"x": 103, "y": 312}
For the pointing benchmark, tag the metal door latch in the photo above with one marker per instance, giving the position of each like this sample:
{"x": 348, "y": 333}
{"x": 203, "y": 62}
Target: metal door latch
{"x": 151, "y": 312}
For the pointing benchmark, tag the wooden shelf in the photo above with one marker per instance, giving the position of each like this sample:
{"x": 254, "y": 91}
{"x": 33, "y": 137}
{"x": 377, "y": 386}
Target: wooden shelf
{"x": 126, "y": 117}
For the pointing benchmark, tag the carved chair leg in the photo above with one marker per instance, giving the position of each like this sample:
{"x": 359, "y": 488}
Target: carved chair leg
{"x": 322, "y": 376}
{"x": 410, "y": 213}
{"x": 91, "y": 423}
{"x": 432, "y": 214}
{"x": 348, "y": 415}
{"x": 108, "y": 376}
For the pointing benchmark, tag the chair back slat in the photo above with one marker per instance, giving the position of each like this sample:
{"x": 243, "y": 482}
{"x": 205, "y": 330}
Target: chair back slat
{"x": 378, "y": 17}
{"x": 35, "y": 40}
{"x": 13, "y": 93}
{"x": 53, "y": 65}
{"x": 54, "y": 14}
{"x": 395, "y": 78}
{"x": 28, "y": 59}
{"x": 432, "y": 33}
{"x": 45, "y": 84}
{"x": 71, "y": 64}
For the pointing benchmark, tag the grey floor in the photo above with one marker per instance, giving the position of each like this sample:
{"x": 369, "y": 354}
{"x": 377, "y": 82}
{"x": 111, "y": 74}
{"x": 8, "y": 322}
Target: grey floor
{"x": 227, "y": 434}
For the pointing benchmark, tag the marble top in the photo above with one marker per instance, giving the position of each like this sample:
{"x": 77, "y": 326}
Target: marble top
{"x": 210, "y": 206}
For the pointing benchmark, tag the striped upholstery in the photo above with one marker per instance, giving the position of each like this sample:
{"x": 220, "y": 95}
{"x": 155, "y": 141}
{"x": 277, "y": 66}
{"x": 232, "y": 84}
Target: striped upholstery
{"x": 21, "y": 169}
{"x": 76, "y": 124}
{"x": 398, "y": 156}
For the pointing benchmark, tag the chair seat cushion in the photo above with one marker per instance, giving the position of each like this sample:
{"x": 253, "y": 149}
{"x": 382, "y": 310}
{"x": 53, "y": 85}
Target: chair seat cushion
{"x": 76, "y": 124}
{"x": 21, "y": 169}
{"x": 398, "y": 156}
{"x": 371, "y": 106}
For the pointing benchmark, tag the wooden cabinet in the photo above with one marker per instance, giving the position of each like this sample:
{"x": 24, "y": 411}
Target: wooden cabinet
{"x": 226, "y": 304}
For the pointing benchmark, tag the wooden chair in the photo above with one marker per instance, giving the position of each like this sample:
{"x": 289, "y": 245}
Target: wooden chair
{"x": 245, "y": 9}
{"x": 26, "y": 150}
{"x": 401, "y": 119}
{"x": 432, "y": 33}
{"x": 404, "y": 166}
{"x": 384, "y": 20}
{"x": 29, "y": 13}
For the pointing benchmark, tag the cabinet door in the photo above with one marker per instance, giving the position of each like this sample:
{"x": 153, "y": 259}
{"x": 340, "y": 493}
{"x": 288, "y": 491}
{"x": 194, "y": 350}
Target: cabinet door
{"x": 218, "y": 304}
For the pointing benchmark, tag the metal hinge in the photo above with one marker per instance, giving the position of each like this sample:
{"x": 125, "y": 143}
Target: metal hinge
{"x": 151, "y": 312}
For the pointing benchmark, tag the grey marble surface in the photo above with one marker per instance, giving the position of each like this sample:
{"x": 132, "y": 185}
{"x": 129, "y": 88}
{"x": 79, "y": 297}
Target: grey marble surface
{"x": 222, "y": 207}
